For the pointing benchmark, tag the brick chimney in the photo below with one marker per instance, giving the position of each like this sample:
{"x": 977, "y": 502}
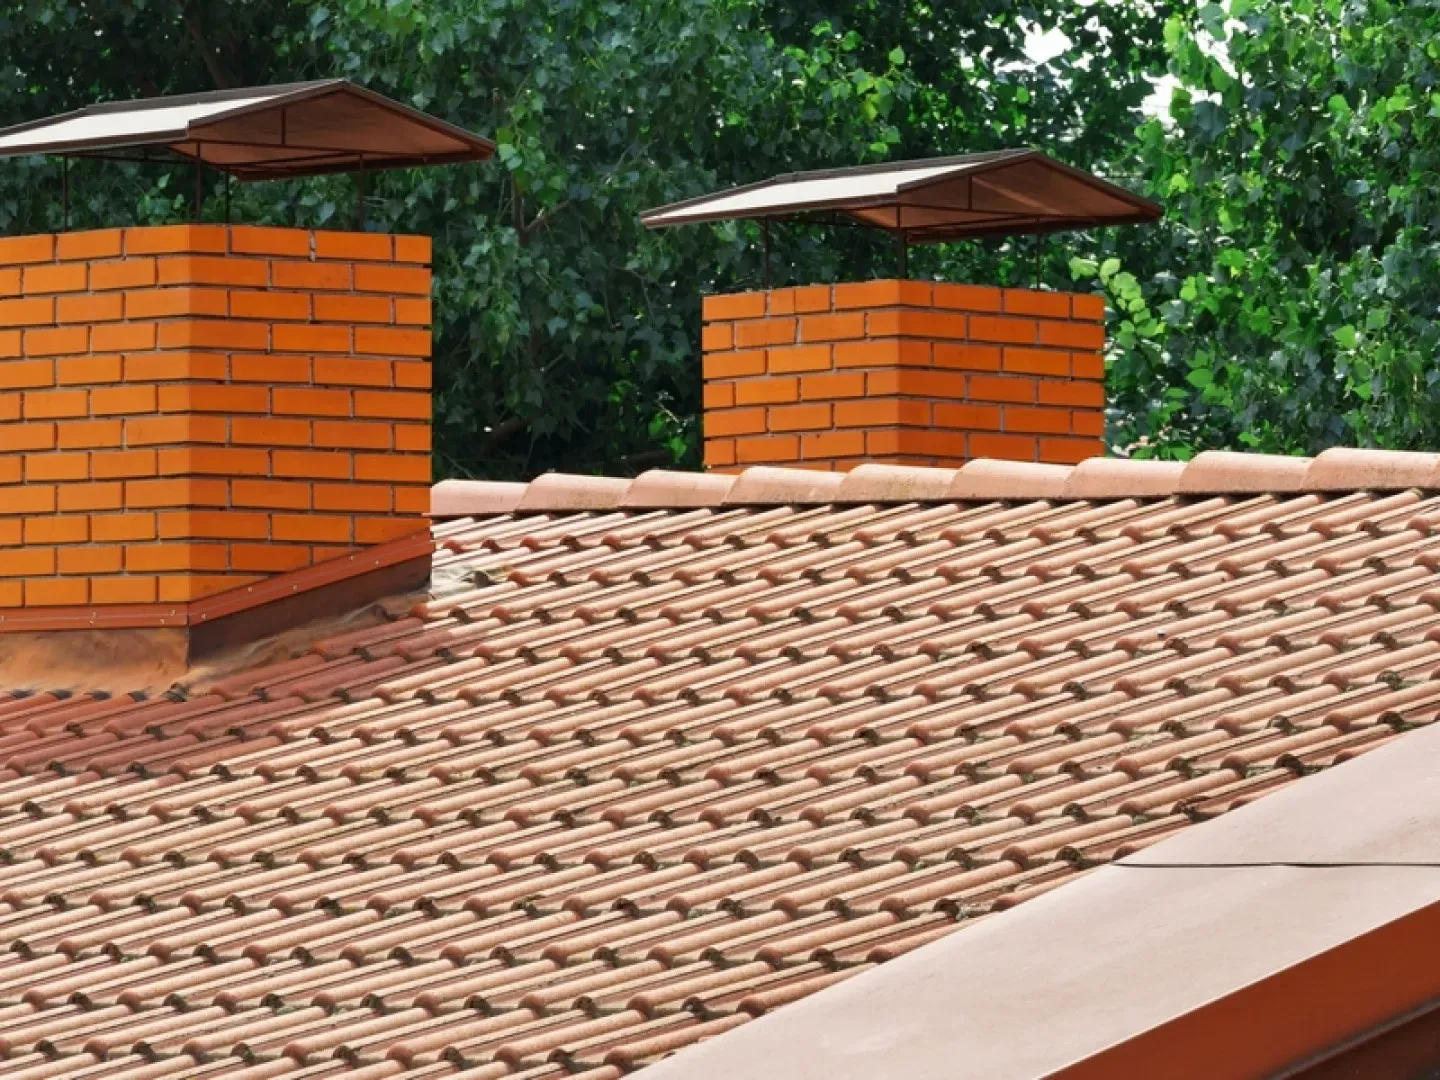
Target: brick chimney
{"x": 903, "y": 372}
{"x": 186, "y": 410}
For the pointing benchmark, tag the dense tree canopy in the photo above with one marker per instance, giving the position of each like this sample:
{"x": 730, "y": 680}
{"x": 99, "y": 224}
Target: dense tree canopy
{"x": 1285, "y": 303}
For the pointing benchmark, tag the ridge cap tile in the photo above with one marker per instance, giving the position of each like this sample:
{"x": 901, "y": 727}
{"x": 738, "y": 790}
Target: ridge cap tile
{"x": 569, "y": 491}
{"x": 663, "y": 489}
{"x": 1123, "y": 478}
{"x": 989, "y": 478}
{"x": 472, "y": 498}
{"x": 1228, "y": 472}
{"x": 766, "y": 485}
{"x": 871, "y": 482}
{"x": 1344, "y": 468}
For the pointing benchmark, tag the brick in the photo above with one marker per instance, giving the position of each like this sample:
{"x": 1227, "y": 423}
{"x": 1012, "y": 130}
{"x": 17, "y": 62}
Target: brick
{"x": 934, "y": 384}
{"x": 9, "y": 281}
{"x": 801, "y": 358}
{"x": 269, "y": 368}
{"x": 217, "y": 334}
{"x": 35, "y": 311}
{"x": 734, "y": 422}
{"x": 91, "y": 244}
{"x": 164, "y": 239}
{"x": 88, "y": 434}
{"x": 269, "y": 558}
{"x": 160, "y": 430}
{"x": 176, "y": 556}
{"x": 312, "y": 464}
{"x": 354, "y": 245}
{"x": 1048, "y": 305}
{"x": 966, "y": 357}
{"x": 30, "y": 499}
{"x": 213, "y": 461}
{"x": 1073, "y": 335}
{"x": 212, "y": 270}
{"x": 174, "y": 367}
{"x": 831, "y": 386}
{"x": 381, "y": 530}
{"x": 303, "y": 275}
{"x": 799, "y": 418}
{"x": 413, "y": 249}
{"x": 1085, "y": 395}
{"x": 874, "y": 294}
{"x": 308, "y": 402}
{"x": 12, "y": 594}
{"x": 211, "y": 525}
{"x": 311, "y": 528}
{"x": 1087, "y": 365}
{"x": 922, "y": 324}
{"x": 89, "y": 560}
{"x": 57, "y": 278}
{"x": 719, "y": 453}
{"x": 258, "y": 431}
{"x": 810, "y": 298}
{"x": 1088, "y": 308}
{"x": 841, "y": 327}
{"x": 269, "y": 305}
{"x": 368, "y": 309}
{"x": 56, "y": 592}
{"x": 851, "y": 354}
{"x": 395, "y": 468}
{"x": 768, "y": 448}
{"x": 367, "y": 498}
{"x": 778, "y": 302}
{"x": 175, "y": 590}
{"x": 56, "y": 530}
{"x": 1070, "y": 451}
{"x": 392, "y": 279}
{"x": 26, "y": 249}
{"x": 882, "y": 383}
{"x": 123, "y": 337}
{"x": 11, "y": 472}
{"x": 49, "y": 467}
{"x": 119, "y": 528}
{"x": 131, "y": 589}
{"x": 968, "y": 417}
{"x": 9, "y": 343}
{"x": 260, "y": 240}
{"x": 147, "y": 494}
{"x": 10, "y": 406}
{"x": 750, "y": 335}
{"x": 90, "y": 308}
{"x": 27, "y": 437}
{"x": 55, "y": 404}
{"x": 717, "y": 337}
{"x": 108, "y": 495}
{"x": 996, "y": 328}
{"x": 410, "y": 312}
{"x": 1036, "y": 361}
{"x": 395, "y": 404}
{"x": 65, "y": 339}
{"x": 339, "y": 434}
{"x": 270, "y": 494}
{"x": 950, "y": 445}
{"x": 413, "y": 437}
{"x": 312, "y": 338}
{"x": 751, "y": 305}
{"x": 214, "y": 399}
{"x": 376, "y": 341}
{"x": 414, "y": 376}
{"x": 733, "y": 365}
{"x": 1004, "y": 447}
{"x": 170, "y": 303}
{"x": 123, "y": 274}
{"x": 867, "y": 413}
{"x": 981, "y": 298}
{"x": 338, "y": 371}
{"x": 767, "y": 391}
{"x": 1087, "y": 423}
{"x": 412, "y": 500}
{"x": 1002, "y": 388}
{"x": 122, "y": 464}
{"x": 1037, "y": 421}
{"x": 832, "y": 444}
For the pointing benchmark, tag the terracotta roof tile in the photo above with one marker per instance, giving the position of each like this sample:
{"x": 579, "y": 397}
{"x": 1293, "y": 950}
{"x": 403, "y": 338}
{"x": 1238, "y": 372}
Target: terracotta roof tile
{"x": 668, "y": 754}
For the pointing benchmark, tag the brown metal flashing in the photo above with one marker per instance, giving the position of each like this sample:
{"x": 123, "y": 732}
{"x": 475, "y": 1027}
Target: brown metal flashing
{"x": 270, "y": 132}
{"x": 346, "y": 569}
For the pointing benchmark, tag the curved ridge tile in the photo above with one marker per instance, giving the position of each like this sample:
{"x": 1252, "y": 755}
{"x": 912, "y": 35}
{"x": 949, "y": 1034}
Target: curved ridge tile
{"x": 988, "y": 478}
{"x": 665, "y": 488}
{"x": 1225, "y": 472}
{"x": 564, "y": 491}
{"x": 765, "y": 485}
{"x": 470, "y": 498}
{"x": 1350, "y": 469}
{"x": 1121, "y": 478}
{"x": 895, "y": 483}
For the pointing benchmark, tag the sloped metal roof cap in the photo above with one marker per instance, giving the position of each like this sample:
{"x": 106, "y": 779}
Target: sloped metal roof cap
{"x": 1003, "y": 192}
{"x": 259, "y": 133}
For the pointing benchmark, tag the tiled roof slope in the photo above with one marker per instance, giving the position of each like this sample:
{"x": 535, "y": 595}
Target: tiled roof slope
{"x": 647, "y": 773}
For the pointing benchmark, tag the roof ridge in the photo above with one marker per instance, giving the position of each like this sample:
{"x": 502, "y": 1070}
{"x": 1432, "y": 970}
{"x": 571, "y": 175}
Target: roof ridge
{"x": 1212, "y": 472}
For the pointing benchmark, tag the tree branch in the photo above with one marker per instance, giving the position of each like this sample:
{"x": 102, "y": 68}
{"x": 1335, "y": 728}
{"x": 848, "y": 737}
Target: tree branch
{"x": 218, "y": 74}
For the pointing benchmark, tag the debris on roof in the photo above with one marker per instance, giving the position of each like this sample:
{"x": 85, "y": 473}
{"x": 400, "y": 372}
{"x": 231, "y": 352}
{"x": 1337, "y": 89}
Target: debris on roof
{"x": 650, "y": 770}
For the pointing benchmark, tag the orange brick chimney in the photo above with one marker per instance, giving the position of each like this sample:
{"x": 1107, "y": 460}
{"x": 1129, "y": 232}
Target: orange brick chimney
{"x": 906, "y": 372}
{"x": 192, "y": 409}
